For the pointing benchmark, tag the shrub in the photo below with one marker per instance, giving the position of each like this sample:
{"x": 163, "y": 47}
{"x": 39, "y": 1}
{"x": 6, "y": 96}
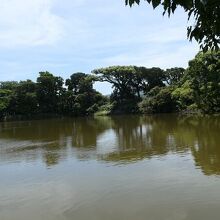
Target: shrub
{"x": 159, "y": 100}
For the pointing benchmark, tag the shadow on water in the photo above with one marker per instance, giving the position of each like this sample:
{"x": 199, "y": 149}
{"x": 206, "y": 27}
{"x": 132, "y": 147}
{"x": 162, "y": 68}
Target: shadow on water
{"x": 118, "y": 140}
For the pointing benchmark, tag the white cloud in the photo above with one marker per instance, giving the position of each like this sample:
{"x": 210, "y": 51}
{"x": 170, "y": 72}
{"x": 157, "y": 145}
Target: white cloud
{"x": 28, "y": 23}
{"x": 74, "y": 35}
{"x": 162, "y": 56}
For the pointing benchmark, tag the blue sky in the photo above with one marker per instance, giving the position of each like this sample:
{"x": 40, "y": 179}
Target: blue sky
{"x": 68, "y": 36}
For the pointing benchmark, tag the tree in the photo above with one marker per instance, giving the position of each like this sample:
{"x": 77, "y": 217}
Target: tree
{"x": 159, "y": 100}
{"x": 123, "y": 79}
{"x": 183, "y": 95}
{"x": 8, "y": 85}
{"x": 5, "y": 98}
{"x": 174, "y": 75}
{"x": 131, "y": 81}
{"x": 206, "y": 14}
{"x": 24, "y": 98}
{"x": 129, "y": 84}
{"x": 81, "y": 97}
{"x": 204, "y": 76}
{"x": 49, "y": 92}
{"x": 152, "y": 77}
{"x": 125, "y": 82}
{"x": 79, "y": 83}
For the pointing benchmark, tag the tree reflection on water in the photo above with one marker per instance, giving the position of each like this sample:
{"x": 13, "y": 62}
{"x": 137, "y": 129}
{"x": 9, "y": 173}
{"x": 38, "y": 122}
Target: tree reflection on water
{"x": 118, "y": 139}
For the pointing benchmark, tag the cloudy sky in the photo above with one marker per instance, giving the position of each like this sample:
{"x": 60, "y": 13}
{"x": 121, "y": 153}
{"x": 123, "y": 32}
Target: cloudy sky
{"x": 68, "y": 36}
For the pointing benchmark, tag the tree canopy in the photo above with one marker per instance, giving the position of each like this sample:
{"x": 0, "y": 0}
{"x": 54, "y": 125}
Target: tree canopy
{"x": 204, "y": 76}
{"x": 130, "y": 83}
{"x": 206, "y": 15}
{"x": 49, "y": 96}
{"x": 135, "y": 90}
{"x": 198, "y": 88}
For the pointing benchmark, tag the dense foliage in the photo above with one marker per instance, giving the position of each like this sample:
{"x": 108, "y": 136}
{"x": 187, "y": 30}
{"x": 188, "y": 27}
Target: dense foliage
{"x": 206, "y": 16}
{"x": 49, "y": 95}
{"x": 203, "y": 75}
{"x": 129, "y": 84}
{"x": 197, "y": 89}
{"x": 135, "y": 90}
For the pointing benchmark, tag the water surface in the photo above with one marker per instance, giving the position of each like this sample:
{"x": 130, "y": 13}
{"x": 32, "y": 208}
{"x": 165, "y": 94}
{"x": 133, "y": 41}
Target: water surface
{"x": 164, "y": 167}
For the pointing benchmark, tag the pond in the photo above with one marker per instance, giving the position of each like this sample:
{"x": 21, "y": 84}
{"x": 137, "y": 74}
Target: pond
{"x": 163, "y": 167}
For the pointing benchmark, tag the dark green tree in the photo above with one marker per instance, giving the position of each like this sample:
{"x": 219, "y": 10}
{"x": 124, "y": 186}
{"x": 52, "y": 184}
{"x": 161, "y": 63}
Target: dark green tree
{"x": 5, "y": 99}
{"x": 151, "y": 77}
{"x": 159, "y": 100}
{"x": 24, "y": 98}
{"x": 79, "y": 83}
{"x": 8, "y": 85}
{"x": 125, "y": 82}
{"x": 81, "y": 97}
{"x": 183, "y": 95}
{"x": 204, "y": 75}
{"x": 174, "y": 75}
{"x": 49, "y": 92}
{"x": 129, "y": 84}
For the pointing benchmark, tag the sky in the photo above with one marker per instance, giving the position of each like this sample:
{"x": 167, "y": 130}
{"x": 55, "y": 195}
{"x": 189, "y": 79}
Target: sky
{"x": 68, "y": 36}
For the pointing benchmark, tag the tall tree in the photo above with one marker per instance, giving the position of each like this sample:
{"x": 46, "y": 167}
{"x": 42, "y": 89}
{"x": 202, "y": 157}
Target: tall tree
{"x": 24, "y": 99}
{"x": 81, "y": 97}
{"x": 79, "y": 83}
{"x": 151, "y": 77}
{"x": 129, "y": 84}
{"x": 204, "y": 76}
{"x": 131, "y": 81}
{"x": 49, "y": 92}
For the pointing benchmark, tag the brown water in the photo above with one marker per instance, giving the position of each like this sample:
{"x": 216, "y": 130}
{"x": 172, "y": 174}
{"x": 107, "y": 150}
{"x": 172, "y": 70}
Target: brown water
{"x": 121, "y": 168}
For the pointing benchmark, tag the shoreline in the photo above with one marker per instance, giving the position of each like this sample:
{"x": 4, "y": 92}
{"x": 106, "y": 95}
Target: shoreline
{"x": 95, "y": 115}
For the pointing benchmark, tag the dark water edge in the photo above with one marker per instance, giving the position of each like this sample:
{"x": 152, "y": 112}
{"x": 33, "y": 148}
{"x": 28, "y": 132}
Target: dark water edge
{"x": 60, "y": 116}
{"x": 31, "y": 117}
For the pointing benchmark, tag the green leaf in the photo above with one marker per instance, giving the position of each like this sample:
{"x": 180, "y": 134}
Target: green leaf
{"x": 155, "y": 3}
{"x": 131, "y": 2}
{"x": 188, "y": 4}
{"x": 173, "y": 7}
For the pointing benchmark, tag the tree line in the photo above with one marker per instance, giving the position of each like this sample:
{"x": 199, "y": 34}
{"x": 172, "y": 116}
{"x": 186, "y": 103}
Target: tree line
{"x": 50, "y": 95}
{"x": 135, "y": 90}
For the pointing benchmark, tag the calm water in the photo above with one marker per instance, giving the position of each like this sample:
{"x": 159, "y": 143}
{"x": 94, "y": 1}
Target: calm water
{"x": 121, "y": 168}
